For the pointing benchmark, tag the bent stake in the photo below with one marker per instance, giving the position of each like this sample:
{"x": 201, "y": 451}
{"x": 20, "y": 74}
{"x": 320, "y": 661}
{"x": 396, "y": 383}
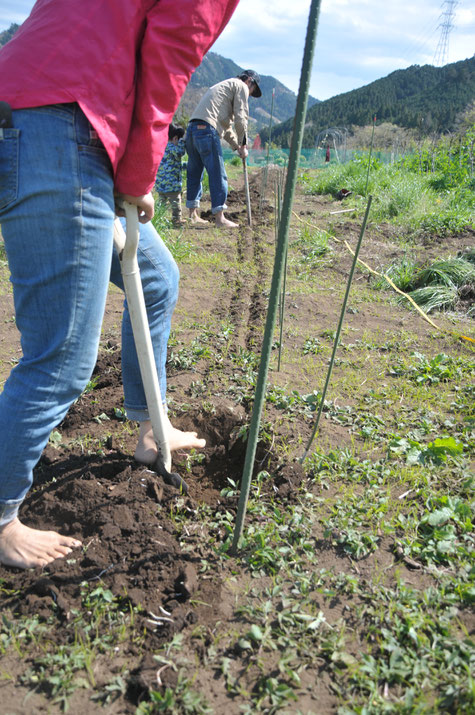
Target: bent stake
{"x": 280, "y": 253}
{"x": 338, "y": 331}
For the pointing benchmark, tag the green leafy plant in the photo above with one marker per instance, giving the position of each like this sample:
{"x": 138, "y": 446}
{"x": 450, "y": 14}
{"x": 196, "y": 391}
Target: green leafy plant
{"x": 436, "y": 452}
{"x": 181, "y": 700}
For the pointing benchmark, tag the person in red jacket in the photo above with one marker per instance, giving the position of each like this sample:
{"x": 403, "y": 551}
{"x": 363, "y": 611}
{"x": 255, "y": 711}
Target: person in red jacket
{"x": 93, "y": 86}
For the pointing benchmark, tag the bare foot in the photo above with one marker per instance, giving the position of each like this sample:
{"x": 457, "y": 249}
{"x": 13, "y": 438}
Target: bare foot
{"x": 26, "y": 548}
{"x": 146, "y": 450}
{"x": 196, "y": 218}
{"x": 226, "y": 223}
{"x": 223, "y": 222}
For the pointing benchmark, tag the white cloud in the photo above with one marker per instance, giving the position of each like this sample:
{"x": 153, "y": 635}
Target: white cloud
{"x": 464, "y": 17}
{"x": 382, "y": 64}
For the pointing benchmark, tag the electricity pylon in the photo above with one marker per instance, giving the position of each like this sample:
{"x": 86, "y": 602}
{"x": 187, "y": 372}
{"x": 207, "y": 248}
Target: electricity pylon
{"x": 442, "y": 52}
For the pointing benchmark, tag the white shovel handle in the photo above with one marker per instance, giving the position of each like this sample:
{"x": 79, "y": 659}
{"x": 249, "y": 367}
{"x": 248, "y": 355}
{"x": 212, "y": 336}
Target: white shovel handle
{"x": 126, "y": 244}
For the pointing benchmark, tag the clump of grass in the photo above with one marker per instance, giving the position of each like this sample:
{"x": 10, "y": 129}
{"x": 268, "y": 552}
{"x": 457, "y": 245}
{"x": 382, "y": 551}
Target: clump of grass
{"x": 402, "y": 274}
{"x": 434, "y": 297}
{"x": 438, "y": 286}
{"x": 162, "y": 217}
{"x": 179, "y": 246}
{"x": 176, "y": 242}
{"x": 445, "y": 221}
{"x": 313, "y": 246}
{"x": 450, "y": 272}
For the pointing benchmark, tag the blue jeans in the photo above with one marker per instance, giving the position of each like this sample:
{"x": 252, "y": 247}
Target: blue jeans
{"x": 203, "y": 147}
{"x": 56, "y": 215}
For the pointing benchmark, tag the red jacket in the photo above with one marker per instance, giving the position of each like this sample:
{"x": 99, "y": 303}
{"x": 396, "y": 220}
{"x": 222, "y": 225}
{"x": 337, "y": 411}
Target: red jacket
{"x": 126, "y": 63}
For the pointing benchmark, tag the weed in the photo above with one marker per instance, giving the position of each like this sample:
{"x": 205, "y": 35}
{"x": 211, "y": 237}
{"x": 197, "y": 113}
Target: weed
{"x": 57, "y": 673}
{"x": 55, "y": 439}
{"x": 435, "y": 452}
{"x": 97, "y": 627}
{"x": 230, "y": 491}
{"x": 438, "y": 286}
{"x": 91, "y": 385}
{"x": 402, "y": 273}
{"x": 112, "y": 691}
{"x": 313, "y": 246}
{"x": 429, "y": 371}
{"x": 120, "y": 414}
{"x": 179, "y": 701}
{"x": 312, "y": 346}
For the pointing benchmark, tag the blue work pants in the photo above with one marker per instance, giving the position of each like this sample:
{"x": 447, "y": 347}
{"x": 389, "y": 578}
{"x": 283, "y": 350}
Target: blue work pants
{"x": 203, "y": 147}
{"x": 56, "y": 216}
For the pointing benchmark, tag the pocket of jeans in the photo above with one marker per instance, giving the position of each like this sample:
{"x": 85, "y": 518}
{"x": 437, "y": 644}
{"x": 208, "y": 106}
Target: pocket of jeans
{"x": 9, "y": 146}
{"x": 204, "y": 143}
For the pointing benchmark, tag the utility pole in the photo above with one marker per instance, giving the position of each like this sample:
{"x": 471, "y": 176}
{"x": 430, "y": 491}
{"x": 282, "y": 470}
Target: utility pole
{"x": 441, "y": 56}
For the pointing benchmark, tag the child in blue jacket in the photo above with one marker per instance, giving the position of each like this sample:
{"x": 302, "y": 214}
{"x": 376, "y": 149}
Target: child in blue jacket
{"x": 169, "y": 182}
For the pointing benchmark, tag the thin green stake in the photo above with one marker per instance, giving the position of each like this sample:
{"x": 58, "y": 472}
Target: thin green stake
{"x": 281, "y": 250}
{"x": 369, "y": 158}
{"x": 266, "y": 169}
{"x": 338, "y": 331}
{"x": 278, "y": 193}
{"x": 282, "y": 312}
{"x": 282, "y": 295}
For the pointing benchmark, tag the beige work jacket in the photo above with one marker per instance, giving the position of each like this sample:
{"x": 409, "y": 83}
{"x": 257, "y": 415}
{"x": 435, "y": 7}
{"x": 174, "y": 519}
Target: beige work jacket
{"x": 223, "y": 104}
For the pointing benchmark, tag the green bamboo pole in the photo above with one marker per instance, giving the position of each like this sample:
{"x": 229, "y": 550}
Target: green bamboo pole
{"x": 369, "y": 158}
{"x": 284, "y": 224}
{"x": 282, "y": 299}
{"x": 338, "y": 331}
{"x": 282, "y": 312}
{"x": 266, "y": 169}
{"x": 278, "y": 194}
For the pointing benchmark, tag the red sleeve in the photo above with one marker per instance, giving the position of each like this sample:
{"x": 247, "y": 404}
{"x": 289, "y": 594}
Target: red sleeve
{"x": 177, "y": 36}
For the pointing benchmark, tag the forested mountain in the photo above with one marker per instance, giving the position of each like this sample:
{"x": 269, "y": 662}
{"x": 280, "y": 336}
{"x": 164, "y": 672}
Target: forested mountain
{"x": 424, "y": 98}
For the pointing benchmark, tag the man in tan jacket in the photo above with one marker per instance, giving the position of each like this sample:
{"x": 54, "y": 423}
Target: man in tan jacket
{"x": 223, "y": 104}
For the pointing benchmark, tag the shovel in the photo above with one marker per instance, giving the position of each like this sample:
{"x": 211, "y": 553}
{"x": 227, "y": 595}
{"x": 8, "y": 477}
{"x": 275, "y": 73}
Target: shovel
{"x": 246, "y": 187}
{"x": 126, "y": 244}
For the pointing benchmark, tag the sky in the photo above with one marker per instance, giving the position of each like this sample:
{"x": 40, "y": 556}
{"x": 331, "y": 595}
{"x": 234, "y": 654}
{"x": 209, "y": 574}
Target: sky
{"x": 357, "y": 41}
